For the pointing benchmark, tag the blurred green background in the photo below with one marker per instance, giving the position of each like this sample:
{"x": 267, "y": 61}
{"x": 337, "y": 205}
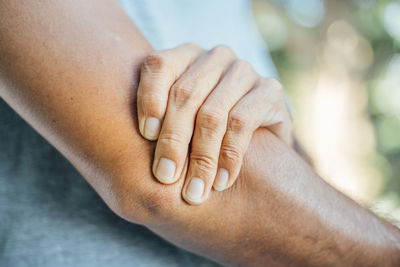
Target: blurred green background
{"x": 340, "y": 64}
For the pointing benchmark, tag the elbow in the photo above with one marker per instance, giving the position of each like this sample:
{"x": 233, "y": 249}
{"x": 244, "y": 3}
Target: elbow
{"x": 142, "y": 200}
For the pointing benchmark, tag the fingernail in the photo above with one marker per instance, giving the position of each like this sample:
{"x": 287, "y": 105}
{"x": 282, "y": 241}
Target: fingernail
{"x": 195, "y": 190}
{"x": 151, "y": 128}
{"x": 141, "y": 126}
{"x": 221, "y": 179}
{"x": 165, "y": 170}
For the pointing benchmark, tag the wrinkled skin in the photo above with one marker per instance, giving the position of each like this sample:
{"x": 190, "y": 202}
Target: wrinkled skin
{"x": 70, "y": 69}
{"x": 211, "y": 102}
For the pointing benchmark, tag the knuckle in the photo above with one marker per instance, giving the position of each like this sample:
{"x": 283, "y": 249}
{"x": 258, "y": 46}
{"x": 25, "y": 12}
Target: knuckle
{"x": 242, "y": 66}
{"x": 272, "y": 83}
{"x": 202, "y": 162}
{"x": 155, "y": 62}
{"x": 231, "y": 153}
{"x": 171, "y": 140}
{"x": 209, "y": 118}
{"x": 153, "y": 102}
{"x": 192, "y": 45}
{"x": 181, "y": 93}
{"x": 238, "y": 122}
{"x": 222, "y": 50}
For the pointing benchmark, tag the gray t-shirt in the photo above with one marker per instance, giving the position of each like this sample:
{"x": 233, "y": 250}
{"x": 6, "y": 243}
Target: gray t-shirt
{"x": 49, "y": 215}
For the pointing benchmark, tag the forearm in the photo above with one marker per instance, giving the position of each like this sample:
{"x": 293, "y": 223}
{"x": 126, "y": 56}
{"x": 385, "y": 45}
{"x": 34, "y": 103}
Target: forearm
{"x": 74, "y": 76}
{"x": 313, "y": 224}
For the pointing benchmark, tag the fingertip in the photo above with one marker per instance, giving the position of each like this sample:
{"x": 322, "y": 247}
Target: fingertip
{"x": 192, "y": 202}
{"x": 221, "y": 179}
{"x": 194, "y": 191}
{"x": 218, "y": 188}
{"x": 165, "y": 171}
{"x": 151, "y": 128}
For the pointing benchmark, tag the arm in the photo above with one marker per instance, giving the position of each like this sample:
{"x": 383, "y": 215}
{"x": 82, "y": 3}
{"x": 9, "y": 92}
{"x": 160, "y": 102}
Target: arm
{"x": 70, "y": 71}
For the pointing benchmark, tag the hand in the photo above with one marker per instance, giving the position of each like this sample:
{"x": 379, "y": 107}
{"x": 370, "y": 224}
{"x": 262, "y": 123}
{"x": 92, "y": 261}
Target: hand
{"x": 278, "y": 213}
{"x": 212, "y": 99}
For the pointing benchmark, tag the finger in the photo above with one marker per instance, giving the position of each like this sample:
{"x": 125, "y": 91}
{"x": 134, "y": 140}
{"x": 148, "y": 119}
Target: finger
{"x": 185, "y": 98}
{"x": 277, "y": 118}
{"x": 210, "y": 129}
{"x": 263, "y": 103}
{"x": 159, "y": 71}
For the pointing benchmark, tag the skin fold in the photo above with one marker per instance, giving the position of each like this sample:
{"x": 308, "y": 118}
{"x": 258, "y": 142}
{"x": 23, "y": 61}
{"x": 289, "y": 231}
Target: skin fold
{"x": 70, "y": 69}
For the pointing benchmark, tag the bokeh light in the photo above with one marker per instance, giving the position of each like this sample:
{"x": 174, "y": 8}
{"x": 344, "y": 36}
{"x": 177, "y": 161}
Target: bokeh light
{"x": 340, "y": 62}
{"x": 307, "y": 13}
{"x": 391, "y": 19}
